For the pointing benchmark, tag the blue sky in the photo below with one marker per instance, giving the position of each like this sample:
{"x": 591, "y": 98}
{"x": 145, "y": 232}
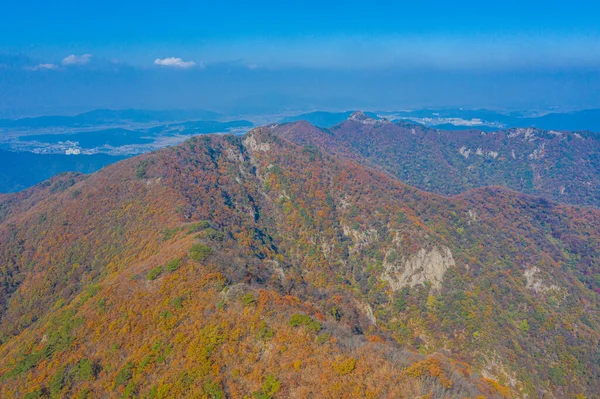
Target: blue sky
{"x": 267, "y": 47}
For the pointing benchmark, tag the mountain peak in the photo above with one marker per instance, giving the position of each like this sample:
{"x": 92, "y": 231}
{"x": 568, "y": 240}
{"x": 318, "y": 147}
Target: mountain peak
{"x": 361, "y": 117}
{"x": 300, "y": 132}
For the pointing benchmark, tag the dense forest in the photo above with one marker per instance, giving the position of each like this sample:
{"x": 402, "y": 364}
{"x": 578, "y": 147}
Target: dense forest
{"x": 556, "y": 165}
{"x": 295, "y": 262}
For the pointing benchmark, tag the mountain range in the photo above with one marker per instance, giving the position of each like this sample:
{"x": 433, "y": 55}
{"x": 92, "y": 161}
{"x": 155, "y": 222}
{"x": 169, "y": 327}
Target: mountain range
{"x": 294, "y": 261}
{"x": 459, "y": 119}
{"x": 108, "y": 116}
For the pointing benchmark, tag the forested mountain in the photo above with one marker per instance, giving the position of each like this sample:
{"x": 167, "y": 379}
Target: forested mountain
{"x": 558, "y": 166}
{"x": 481, "y": 119}
{"x": 322, "y": 118}
{"x": 285, "y": 264}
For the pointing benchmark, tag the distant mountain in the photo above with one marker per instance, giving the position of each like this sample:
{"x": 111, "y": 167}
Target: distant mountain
{"x": 106, "y": 116}
{"x": 586, "y": 120}
{"x": 580, "y": 120}
{"x": 287, "y": 263}
{"x": 322, "y": 118}
{"x": 466, "y": 114}
{"x": 117, "y": 137}
{"x": 114, "y": 137}
{"x": 200, "y": 127}
{"x": 21, "y": 170}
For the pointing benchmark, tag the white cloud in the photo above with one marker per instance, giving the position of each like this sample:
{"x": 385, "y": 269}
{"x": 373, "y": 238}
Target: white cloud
{"x": 174, "y": 62}
{"x": 42, "y": 67}
{"x": 77, "y": 60}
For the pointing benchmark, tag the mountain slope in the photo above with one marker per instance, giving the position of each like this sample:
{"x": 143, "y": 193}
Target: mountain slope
{"x": 232, "y": 266}
{"x": 87, "y": 312}
{"x": 20, "y": 202}
{"x": 559, "y": 166}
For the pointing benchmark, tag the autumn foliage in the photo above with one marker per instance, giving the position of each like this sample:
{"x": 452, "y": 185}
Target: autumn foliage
{"x": 256, "y": 266}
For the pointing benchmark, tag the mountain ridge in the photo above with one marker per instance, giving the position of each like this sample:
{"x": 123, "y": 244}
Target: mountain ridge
{"x": 533, "y": 161}
{"x": 261, "y": 227}
{"x": 100, "y": 116}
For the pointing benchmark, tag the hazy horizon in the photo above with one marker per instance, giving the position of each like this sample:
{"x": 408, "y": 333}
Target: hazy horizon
{"x": 239, "y": 58}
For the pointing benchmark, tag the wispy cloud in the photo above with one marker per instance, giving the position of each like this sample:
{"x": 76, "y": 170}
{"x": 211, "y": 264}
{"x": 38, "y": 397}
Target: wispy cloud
{"x": 77, "y": 59}
{"x": 174, "y": 62}
{"x": 41, "y": 67}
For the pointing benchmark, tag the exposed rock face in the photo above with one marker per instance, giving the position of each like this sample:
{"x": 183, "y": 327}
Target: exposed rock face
{"x": 535, "y": 282}
{"x": 427, "y": 265}
{"x": 360, "y": 238}
{"x": 473, "y": 217}
{"x": 367, "y": 310}
{"x": 495, "y": 370}
{"x": 527, "y": 133}
{"x": 464, "y": 151}
{"x": 253, "y": 145}
{"x": 360, "y": 117}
